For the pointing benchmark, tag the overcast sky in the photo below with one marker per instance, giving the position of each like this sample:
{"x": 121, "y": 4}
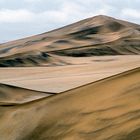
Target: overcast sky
{"x": 22, "y": 18}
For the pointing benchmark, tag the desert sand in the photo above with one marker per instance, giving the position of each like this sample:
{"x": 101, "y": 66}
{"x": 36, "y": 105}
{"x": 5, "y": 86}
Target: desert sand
{"x": 105, "y": 110}
{"x": 79, "y": 82}
{"x": 61, "y": 78}
{"x": 97, "y": 36}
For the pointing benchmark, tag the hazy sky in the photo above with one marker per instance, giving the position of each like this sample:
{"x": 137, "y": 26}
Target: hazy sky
{"x": 21, "y": 18}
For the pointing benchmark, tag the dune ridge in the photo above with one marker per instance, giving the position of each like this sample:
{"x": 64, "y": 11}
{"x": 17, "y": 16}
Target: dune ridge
{"x": 11, "y": 95}
{"x": 61, "y": 78}
{"x": 96, "y": 36}
{"x": 78, "y": 82}
{"x": 95, "y": 113}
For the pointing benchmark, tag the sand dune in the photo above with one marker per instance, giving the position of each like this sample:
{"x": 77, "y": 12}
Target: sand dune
{"x": 10, "y": 95}
{"x": 79, "y": 82}
{"x": 97, "y": 36}
{"x": 61, "y": 78}
{"x": 106, "y": 110}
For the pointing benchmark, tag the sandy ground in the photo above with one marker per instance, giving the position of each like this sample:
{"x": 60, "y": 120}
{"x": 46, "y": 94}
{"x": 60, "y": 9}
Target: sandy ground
{"x": 61, "y": 78}
{"x": 97, "y": 36}
{"x": 93, "y": 64}
{"x": 11, "y": 95}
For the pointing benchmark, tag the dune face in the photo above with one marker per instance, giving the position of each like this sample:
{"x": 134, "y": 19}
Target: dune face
{"x": 106, "y": 110}
{"x": 10, "y": 95}
{"x": 97, "y": 36}
{"x": 79, "y": 82}
{"x": 58, "y": 79}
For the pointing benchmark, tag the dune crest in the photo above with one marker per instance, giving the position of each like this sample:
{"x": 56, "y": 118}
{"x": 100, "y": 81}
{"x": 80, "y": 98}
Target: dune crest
{"x": 11, "y": 95}
{"x": 97, "y": 36}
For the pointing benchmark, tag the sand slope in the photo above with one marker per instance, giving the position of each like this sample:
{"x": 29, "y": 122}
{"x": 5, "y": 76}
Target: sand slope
{"x": 97, "y": 36}
{"x": 10, "y": 95}
{"x": 93, "y": 64}
{"x": 61, "y": 78}
{"x": 106, "y": 110}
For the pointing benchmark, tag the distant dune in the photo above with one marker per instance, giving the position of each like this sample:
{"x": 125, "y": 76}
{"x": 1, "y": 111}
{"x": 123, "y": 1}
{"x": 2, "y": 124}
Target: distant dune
{"x": 80, "y": 71}
{"x": 79, "y": 82}
{"x": 97, "y": 36}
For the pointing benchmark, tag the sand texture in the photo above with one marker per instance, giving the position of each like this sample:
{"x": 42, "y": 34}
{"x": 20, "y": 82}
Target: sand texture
{"x": 79, "y": 82}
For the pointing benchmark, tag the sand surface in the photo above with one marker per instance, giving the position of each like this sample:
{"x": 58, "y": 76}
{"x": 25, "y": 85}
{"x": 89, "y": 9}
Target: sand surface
{"x": 11, "y": 95}
{"x": 79, "y": 82}
{"x": 97, "y": 36}
{"x": 106, "y": 110}
{"x": 61, "y": 78}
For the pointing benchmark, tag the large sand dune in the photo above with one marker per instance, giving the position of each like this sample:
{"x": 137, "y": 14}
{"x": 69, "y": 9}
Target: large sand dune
{"x": 106, "y": 110}
{"x": 97, "y": 36}
{"x": 79, "y": 82}
{"x": 10, "y": 95}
